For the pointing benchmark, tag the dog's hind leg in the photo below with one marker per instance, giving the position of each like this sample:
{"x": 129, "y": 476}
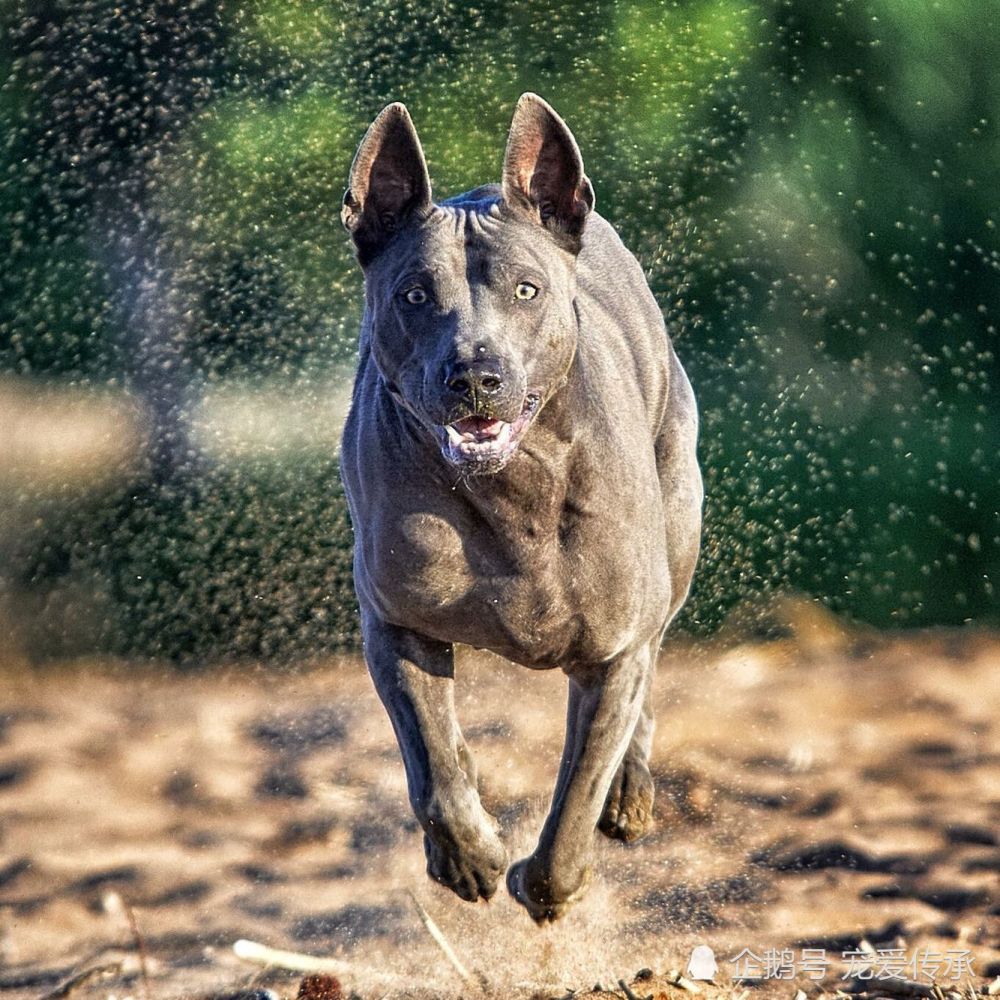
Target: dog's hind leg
{"x": 628, "y": 810}
{"x": 604, "y": 708}
{"x": 414, "y": 677}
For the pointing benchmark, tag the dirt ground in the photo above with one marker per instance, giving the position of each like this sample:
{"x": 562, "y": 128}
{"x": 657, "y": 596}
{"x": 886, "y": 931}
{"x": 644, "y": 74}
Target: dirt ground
{"x": 816, "y": 787}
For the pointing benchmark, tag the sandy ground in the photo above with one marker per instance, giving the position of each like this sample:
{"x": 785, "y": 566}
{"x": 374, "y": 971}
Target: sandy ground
{"x": 813, "y": 790}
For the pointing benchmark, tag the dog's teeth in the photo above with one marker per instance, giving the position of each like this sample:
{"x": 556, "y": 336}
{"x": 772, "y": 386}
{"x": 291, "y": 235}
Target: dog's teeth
{"x": 454, "y": 435}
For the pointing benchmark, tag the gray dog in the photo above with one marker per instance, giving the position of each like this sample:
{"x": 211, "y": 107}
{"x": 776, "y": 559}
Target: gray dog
{"x": 520, "y": 465}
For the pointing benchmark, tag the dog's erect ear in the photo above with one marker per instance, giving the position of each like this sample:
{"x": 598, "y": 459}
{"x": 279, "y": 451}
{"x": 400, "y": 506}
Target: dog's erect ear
{"x": 388, "y": 182}
{"x": 543, "y": 170}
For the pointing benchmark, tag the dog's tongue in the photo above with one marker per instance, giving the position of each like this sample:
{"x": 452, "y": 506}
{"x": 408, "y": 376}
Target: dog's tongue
{"x": 479, "y": 427}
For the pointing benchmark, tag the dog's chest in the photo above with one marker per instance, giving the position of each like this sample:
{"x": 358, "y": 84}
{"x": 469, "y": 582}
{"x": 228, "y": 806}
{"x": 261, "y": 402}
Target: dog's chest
{"x": 538, "y": 587}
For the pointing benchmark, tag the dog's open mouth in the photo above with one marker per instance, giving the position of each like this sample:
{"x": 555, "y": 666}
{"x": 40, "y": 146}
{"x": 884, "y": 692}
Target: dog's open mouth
{"x": 484, "y": 444}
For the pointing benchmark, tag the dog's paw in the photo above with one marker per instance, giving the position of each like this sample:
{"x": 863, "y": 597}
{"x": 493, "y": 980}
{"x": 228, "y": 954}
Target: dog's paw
{"x": 534, "y": 890}
{"x": 628, "y": 810}
{"x": 470, "y": 867}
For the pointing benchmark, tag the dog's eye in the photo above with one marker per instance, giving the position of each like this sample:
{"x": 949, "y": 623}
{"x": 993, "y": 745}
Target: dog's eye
{"x": 415, "y": 296}
{"x": 525, "y": 290}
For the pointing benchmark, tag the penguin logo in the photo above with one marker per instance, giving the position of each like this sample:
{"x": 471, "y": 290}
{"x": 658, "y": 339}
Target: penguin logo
{"x": 702, "y": 964}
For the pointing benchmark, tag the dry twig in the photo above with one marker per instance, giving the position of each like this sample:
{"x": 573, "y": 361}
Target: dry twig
{"x": 79, "y": 979}
{"x": 295, "y": 961}
{"x": 140, "y": 947}
{"x": 440, "y": 939}
{"x": 629, "y": 995}
{"x": 682, "y": 982}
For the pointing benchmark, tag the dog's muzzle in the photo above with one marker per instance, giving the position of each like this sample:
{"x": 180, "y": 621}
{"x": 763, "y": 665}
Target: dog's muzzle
{"x": 484, "y": 445}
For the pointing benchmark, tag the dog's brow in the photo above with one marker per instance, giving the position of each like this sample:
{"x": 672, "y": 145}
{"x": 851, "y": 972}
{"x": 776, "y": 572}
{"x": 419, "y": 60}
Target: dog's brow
{"x": 417, "y": 273}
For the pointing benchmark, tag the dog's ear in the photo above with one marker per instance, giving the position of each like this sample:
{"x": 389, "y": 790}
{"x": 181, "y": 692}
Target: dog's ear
{"x": 389, "y": 181}
{"x": 543, "y": 170}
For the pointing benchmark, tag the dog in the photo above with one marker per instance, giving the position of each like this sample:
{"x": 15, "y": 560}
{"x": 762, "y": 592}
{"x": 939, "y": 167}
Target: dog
{"x": 520, "y": 466}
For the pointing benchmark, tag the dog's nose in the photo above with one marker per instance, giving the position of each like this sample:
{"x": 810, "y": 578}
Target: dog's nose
{"x": 476, "y": 382}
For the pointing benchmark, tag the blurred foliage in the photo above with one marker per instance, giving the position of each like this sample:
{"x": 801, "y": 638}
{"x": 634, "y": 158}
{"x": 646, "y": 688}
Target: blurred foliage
{"x": 812, "y": 189}
{"x": 248, "y": 566}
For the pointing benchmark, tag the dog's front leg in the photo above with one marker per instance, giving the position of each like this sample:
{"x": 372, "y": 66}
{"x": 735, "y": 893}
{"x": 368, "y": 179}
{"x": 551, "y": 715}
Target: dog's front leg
{"x": 414, "y": 677}
{"x": 604, "y": 705}
{"x": 628, "y": 811}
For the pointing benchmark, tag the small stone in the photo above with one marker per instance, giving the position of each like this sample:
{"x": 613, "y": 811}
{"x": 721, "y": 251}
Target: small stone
{"x": 320, "y": 987}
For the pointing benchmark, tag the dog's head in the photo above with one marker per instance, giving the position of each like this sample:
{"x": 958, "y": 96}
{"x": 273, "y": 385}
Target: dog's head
{"x": 470, "y": 303}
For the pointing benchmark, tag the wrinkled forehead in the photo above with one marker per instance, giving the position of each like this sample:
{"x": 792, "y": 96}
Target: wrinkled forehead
{"x": 476, "y": 243}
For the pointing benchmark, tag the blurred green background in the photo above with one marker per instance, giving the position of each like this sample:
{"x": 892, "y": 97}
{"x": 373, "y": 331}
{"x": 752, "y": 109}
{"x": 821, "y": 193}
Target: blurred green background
{"x": 812, "y": 188}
